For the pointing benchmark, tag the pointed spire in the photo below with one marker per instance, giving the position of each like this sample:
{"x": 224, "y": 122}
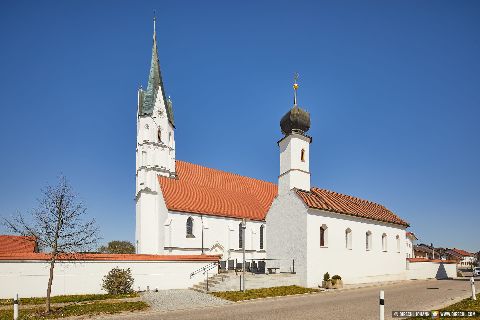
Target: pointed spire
{"x": 155, "y": 82}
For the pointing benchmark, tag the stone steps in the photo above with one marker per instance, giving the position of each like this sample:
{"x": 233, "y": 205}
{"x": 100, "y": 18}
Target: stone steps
{"x": 231, "y": 281}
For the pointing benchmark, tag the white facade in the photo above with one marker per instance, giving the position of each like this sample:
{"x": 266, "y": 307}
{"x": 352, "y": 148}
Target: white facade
{"x": 220, "y": 236}
{"x": 294, "y": 163}
{"x": 294, "y": 233}
{"x": 29, "y": 278}
{"x": 410, "y": 242}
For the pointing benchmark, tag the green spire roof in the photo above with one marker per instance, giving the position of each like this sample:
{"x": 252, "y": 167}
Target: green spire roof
{"x": 155, "y": 84}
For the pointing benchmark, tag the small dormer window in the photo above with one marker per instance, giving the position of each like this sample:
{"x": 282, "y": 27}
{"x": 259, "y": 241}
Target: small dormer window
{"x": 302, "y": 155}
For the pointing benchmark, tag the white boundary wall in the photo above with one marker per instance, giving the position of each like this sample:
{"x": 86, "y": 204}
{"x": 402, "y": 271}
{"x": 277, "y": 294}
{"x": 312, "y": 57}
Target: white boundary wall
{"x": 431, "y": 270}
{"x": 29, "y": 278}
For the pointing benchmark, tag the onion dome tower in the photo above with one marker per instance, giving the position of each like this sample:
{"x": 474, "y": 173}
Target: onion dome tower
{"x": 294, "y": 148}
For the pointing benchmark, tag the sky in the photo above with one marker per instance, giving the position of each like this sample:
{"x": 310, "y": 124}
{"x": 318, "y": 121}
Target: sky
{"x": 393, "y": 89}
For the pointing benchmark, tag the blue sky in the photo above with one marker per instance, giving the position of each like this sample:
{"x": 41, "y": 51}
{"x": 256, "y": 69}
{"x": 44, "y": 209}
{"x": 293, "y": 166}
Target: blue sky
{"x": 393, "y": 88}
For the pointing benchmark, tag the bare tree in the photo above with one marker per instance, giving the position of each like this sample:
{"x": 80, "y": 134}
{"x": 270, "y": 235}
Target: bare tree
{"x": 58, "y": 226}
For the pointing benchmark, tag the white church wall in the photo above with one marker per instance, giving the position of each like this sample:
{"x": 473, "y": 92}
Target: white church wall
{"x": 152, "y": 213}
{"x": 287, "y": 237}
{"x": 29, "y": 278}
{"x": 355, "y": 265}
{"x": 223, "y": 231}
{"x": 294, "y": 170}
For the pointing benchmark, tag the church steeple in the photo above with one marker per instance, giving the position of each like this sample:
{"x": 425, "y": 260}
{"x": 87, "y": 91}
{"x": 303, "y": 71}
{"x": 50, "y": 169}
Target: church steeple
{"x": 148, "y": 97}
{"x": 294, "y": 148}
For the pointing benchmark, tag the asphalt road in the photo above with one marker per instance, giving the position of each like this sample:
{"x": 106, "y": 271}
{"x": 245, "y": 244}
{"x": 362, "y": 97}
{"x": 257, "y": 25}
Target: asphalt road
{"x": 359, "y": 303}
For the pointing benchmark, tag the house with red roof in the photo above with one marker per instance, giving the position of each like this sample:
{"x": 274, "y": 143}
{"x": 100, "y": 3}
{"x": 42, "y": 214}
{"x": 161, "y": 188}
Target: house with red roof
{"x": 17, "y": 244}
{"x": 464, "y": 258}
{"x": 185, "y": 208}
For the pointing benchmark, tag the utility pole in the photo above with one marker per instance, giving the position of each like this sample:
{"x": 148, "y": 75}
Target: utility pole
{"x": 201, "y": 218}
{"x": 244, "y": 226}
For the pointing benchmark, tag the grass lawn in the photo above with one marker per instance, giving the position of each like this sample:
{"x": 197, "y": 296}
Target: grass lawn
{"x": 70, "y": 298}
{"x": 263, "y": 293}
{"x": 93, "y": 308}
{"x": 464, "y": 305}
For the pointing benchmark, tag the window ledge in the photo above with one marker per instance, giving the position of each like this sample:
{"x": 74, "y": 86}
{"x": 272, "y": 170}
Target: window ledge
{"x": 190, "y": 236}
{"x": 323, "y": 246}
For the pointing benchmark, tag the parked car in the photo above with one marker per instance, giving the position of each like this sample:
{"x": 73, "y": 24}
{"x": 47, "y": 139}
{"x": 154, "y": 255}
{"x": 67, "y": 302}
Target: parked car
{"x": 476, "y": 272}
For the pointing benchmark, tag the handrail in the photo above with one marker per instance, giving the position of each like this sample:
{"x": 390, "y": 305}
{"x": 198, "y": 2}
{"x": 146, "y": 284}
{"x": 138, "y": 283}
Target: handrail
{"x": 204, "y": 269}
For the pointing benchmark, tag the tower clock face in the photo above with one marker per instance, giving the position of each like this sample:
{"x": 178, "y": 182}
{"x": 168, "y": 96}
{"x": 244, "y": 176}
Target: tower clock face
{"x": 146, "y": 126}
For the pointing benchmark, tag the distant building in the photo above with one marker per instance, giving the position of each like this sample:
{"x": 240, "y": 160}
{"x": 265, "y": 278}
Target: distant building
{"x": 410, "y": 239}
{"x": 17, "y": 244}
{"x": 464, "y": 259}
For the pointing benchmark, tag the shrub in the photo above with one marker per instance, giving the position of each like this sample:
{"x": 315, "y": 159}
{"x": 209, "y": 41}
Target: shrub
{"x": 118, "y": 281}
{"x": 335, "y": 278}
{"x": 326, "y": 276}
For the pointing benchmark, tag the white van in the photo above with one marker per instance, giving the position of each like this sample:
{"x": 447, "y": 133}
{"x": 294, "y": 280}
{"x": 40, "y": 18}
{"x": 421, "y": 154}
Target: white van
{"x": 476, "y": 272}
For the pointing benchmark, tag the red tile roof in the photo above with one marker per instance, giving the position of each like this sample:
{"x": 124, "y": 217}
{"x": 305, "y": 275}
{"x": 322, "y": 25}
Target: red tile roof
{"x": 411, "y": 234}
{"x": 462, "y": 252}
{"x": 200, "y": 189}
{"x": 430, "y": 260}
{"x": 336, "y": 202}
{"x": 108, "y": 257}
{"x": 17, "y": 244}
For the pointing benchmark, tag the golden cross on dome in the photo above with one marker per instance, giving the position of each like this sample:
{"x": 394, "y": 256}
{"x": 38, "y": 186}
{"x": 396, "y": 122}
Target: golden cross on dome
{"x": 295, "y": 87}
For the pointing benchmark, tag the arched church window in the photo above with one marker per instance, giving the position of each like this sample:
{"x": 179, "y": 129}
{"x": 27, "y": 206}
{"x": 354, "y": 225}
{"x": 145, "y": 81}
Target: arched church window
{"x": 240, "y": 236}
{"x": 368, "y": 240}
{"x": 189, "y": 227}
{"x": 398, "y": 243}
{"x": 348, "y": 238}
{"x": 302, "y": 155}
{"x": 384, "y": 242}
{"x": 261, "y": 236}
{"x": 323, "y": 235}
{"x": 159, "y": 135}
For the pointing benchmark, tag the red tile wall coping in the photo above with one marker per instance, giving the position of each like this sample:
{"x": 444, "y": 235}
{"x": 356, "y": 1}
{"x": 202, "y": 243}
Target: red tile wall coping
{"x": 430, "y": 260}
{"x": 109, "y": 257}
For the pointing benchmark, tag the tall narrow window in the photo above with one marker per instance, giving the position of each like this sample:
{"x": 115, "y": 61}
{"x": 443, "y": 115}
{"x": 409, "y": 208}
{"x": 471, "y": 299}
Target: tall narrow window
{"x": 189, "y": 227}
{"x": 368, "y": 240}
{"x": 240, "y": 236}
{"x": 323, "y": 236}
{"x": 384, "y": 242}
{"x": 398, "y": 243}
{"x": 348, "y": 239}
{"x": 261, "y": 236}
{"x": 302, "y": 155}
{"x": 159, "y": 135}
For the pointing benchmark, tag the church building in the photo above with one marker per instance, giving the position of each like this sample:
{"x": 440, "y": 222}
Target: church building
{"x": 184, "y": 208}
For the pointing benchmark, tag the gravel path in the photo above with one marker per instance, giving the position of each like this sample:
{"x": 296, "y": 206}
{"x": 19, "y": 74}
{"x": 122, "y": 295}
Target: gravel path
{"x": 180, "y": 299}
